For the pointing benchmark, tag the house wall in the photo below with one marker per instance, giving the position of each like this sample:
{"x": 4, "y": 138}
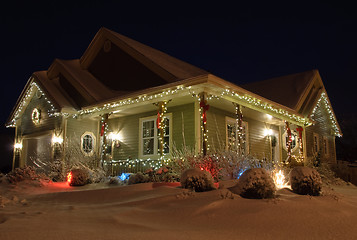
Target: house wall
{"x": 259, "y": 145}
{"x": 323, "y": 128}
{"x": 182, "y": 130}
{"x": 36, "y": 138}
{"x": 75, "y": 128}
{"x": 47, "y": 123}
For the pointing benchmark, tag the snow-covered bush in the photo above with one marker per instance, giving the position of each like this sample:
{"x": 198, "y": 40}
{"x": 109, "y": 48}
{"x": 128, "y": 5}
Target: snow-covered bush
{"x": 21, "y": 174}
{"x": 306, "y": 181}
{"x": 197, "y": 180}
{"x": 113, "y": 181}
{"x": 222, "y": 164}
{"x": 138, "y": 178}
{"x": 79, "y": 177}
{"x": 255, "y": 183}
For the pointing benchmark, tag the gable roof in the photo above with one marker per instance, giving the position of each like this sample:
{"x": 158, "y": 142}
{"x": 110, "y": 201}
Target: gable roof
{"x": 287, "y": 90}
{"x": 172, "y": 69}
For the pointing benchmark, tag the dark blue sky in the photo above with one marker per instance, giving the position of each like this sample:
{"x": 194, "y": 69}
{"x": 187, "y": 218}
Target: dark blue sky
{"x": 240, "y": 43}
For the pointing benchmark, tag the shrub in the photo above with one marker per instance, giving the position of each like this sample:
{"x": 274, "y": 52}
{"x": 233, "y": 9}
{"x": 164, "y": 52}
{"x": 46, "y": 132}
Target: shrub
{"x": 255, "y": 183}
{"x": 113, "y": 181}
{"x": 197, "y": 180}
{"x": 21, "y": 174}
{"x": 80, "y": 177}
{"x": 138, "y": 178}
{"x": 305, "y": 181}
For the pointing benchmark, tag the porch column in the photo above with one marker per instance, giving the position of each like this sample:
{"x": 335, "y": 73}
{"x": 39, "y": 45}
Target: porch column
{"x": 203, "y": 112}
{"x": 103, "y": 131}
{"x": 288, "y": 131}
{"x": 161, "y": 125}
{"x": 239, "y": 122}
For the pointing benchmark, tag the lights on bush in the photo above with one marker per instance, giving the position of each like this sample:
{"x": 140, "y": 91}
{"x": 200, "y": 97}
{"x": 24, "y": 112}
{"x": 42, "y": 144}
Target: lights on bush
{"x": 124, "y": 176}
{"x": 69, "y": 178}
{"x": 279, "y": 179}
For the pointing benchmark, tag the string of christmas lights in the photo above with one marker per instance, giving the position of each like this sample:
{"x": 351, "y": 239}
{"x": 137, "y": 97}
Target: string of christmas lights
{"x": 52, "y": 111}
{"x": 323, "y": 99}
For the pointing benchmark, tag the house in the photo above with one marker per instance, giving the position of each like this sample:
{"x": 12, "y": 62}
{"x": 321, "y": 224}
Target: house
{"x": 128, "y": 105}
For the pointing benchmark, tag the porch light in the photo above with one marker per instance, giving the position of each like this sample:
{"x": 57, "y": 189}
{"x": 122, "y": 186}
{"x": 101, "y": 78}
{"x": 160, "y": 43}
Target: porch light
{"x": 57, "y": 140}
{"x": 269, "y": 116}
{"x": 268, "y": 132}
{"x": 18, "y": 146}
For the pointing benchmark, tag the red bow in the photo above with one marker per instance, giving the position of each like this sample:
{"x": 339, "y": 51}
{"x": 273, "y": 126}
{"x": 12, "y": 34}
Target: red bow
{"x": 158, "y": 120}
{"x": 102, "y": 130}
{"x": 299, "y": 129}
{"x": 205, "y": 108}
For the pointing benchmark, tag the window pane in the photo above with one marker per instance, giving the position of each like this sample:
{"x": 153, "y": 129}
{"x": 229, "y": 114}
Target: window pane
{"x": 148, "y": 129}
{"x": 148, "y": 146}
{"x": 87, "y": 143}
{"x": 166, "y": 144}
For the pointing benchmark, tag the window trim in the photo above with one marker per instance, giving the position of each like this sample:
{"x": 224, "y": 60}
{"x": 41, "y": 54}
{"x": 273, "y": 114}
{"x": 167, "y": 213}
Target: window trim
{"x": 91, "y": 153}
{"x": 156, "y": 154}
{"x": 317, "y": 142}
{"x": 230, "y": 120}
{"x": 296, "y": 136}
{"x": 325, "y": 145}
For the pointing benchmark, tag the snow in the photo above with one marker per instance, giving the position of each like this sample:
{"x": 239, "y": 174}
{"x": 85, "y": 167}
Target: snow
{"x": 46, "y": 210}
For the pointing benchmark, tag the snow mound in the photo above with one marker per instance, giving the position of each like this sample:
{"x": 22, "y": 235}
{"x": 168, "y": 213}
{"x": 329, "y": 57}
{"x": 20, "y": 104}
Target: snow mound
{"x": 255, "y": 183}
{"x": 305, "y": 181}
{"x": 197, "y": 180}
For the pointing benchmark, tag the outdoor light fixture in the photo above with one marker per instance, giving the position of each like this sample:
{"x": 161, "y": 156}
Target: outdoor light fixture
{"x": 268, "y": 132}
{"x": 116, "y": 138}
{"x": 18, "y": 146}
{"x": 269, "y": 116}
{"x": 57, "y": 140}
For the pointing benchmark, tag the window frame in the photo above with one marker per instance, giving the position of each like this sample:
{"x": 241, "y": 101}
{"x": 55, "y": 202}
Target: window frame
{"x": 316, "y": 144}
{"x": 156, "y": 138}
{"x": 325, "y": 145}
{"x": 91, "y": 153}
{"x": 296, "y": 138}
{"x": 245, "y": 124}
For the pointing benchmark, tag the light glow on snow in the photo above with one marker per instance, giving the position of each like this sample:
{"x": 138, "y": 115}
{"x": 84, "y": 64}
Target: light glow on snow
{"x": 69, "y": 178}
{"x": 279, "y": 180}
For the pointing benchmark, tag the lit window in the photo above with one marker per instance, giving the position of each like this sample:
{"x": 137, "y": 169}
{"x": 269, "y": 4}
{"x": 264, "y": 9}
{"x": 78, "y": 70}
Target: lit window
{"x": 150, "y": 136}
{"x": 232, "y": 134}
{"x": 88, "y": 143}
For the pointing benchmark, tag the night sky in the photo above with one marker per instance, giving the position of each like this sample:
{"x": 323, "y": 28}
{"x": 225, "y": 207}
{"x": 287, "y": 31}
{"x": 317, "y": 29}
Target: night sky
{"x": 240, "y": 43}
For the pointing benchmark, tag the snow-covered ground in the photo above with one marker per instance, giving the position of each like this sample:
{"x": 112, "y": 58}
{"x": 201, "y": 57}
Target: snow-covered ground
{"x": 159, "y": 211}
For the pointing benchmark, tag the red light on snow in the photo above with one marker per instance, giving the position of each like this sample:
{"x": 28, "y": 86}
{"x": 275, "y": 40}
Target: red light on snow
{"x": 69, "y": 177}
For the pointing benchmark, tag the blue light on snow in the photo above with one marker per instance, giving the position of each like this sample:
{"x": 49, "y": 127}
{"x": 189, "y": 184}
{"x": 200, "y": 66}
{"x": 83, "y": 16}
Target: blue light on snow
{"x": 240, "y": 173}
{"x": 124, "y": 176}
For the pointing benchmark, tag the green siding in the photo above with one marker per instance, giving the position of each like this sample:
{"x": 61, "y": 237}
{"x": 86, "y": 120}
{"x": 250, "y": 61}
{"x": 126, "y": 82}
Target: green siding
{"x": 46, "y": 123}
{"x": 183, "y": 125}
{"x": 128, "y": 127}
{"x": 77, "y": 127}
{"x": 323, "y": 128}
{"x": 216, "y": 125}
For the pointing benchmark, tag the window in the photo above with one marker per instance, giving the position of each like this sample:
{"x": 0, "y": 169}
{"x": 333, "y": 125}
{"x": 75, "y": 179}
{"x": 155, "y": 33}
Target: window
{"x": 294, "y": 140}
{"x": 325, "y": 147}
{"x": 88, "y": 143}
{"x": 316, "y": 146}
{"x": 232, "y": 136}
{"x": 150, "y": 137}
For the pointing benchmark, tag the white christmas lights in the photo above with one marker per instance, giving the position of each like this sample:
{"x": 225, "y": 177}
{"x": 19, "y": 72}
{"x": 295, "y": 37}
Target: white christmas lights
{"x": 323, "y": 99}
